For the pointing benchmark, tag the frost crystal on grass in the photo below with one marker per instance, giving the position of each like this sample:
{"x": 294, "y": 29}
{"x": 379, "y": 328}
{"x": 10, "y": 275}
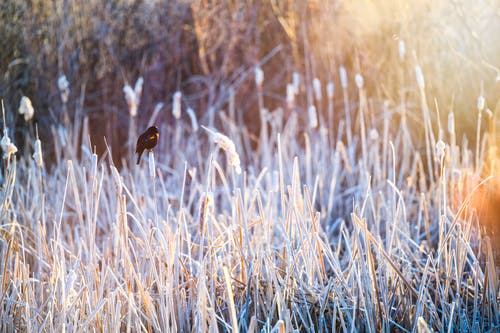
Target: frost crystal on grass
{"x": 176, "y": 104}
{"x": 26, "y": 108}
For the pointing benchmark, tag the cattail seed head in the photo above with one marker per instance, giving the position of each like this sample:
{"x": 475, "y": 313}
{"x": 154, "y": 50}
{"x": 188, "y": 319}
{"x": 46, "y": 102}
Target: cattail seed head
{"x": 420, "y": 77}
{"x": 296, "y": 82}
{"x": 330, "y": 88}
{"x": 451, "y": 123}
{"x": 152, "y": 168}
{"x": 259, "y": 77}
{"x": 373, "y": 135}
{"x": 37, "y": 155}
{"x": 192, "y": 116}
{"x": 290, "y": 96}
{"x": 359, "y": 81}
{"x": 26, "y": 108}
{"x": 440, "y": 149}
{"x": 480, "y": 103}
{"x": 176, "y": 104}
{"x": 343, "y": 77}
{"x": 63, "y": 85}
{"x": 131, "y": 100}
{"x": 7, "y": 146}
{"x": 317, "y": 89}
{"x": 402, "y": 49}
{"x": 313, "y": 116}
{"x": 228, "y": 146}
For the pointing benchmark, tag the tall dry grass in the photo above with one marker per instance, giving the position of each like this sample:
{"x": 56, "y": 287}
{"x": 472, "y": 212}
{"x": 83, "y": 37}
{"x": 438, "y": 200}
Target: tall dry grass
{"x": 322, "y": 231}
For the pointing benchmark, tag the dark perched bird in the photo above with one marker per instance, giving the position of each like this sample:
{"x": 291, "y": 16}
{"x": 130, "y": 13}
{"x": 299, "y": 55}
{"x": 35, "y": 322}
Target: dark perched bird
{"x": 148, "y": 140}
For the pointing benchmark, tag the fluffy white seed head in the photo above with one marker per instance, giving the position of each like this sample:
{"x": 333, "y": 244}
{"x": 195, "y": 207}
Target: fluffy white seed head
{"x": 7, "y": 146}
{"x": 402, "y": 49}
{"x": 131, "y": 100}
{"x": 296, "y": 82}
{"x": 26, "y": 108}
{"x": 420, "y": 77}
{"x": 317, "y": 89}
{"x": 373, "y": 134}
{"x": 330, "y": 88}
{"x": 440, "y": 149}
{"x": 192, "y": 116}
{"x": 290, "y": 96}
{"x": 63, "y": 85}
{"x": 228, "y": 146}
{"x": 138, "y": 89}
{"x": 359, "y": 81}
{"x": 176, "y": 104}
{"x": 480, "y": 103}
{"x": 152, "y": 169}
{"x": 451, "y": 123}
{"x": 37, "y": 155}
{"x": 343, "y": 77}
{"x": 313, "y": 116}
{"x": 259, "y": 77}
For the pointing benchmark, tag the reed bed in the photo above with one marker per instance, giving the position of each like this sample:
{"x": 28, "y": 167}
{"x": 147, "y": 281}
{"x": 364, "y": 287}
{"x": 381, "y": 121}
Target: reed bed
{"x": 338, "y": 221}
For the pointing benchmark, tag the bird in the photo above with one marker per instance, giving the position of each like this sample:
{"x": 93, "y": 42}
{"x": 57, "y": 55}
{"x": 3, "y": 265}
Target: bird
{"x": 147, "y": 140}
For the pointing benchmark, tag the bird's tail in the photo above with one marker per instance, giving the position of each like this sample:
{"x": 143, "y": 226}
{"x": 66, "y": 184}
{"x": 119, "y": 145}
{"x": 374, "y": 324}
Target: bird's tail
{"x": 139, "y": 158}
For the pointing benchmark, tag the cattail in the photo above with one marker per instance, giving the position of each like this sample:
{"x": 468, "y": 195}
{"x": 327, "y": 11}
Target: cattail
{"x": 138, "y": 89}
{"x": 131, "y": 100}
{"x": 480, "y": 103}
{"x": 259, "y": 77}
{"x": 228, "y": 146}
{"x": 451, "y": 123}
{"x": 373, "y": 135}
{"x": 63, "y": 85}
{"x": 317, "y": 89}
{"x": 359, "y": 81}
{"x": 7, "y": 146}
{"x": 290, "y": 96}
{"x": 343, "y": 77}
{"x": 296, "y": 82}
{"x": 26, "y": 108}
{"x": 133, "y": 96}
{"x": 192, "y": 116}
{"x": 176, "y": 104}
{"x": 402, "y": 49}
{"x": 313, "y": 117}
{"x": 330, "y": 88}
{"x": 152, "y": 169}
{"x": 440, "y": 149}
{"x": 420, "y": 77}
{"x": 37, "y": 155}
